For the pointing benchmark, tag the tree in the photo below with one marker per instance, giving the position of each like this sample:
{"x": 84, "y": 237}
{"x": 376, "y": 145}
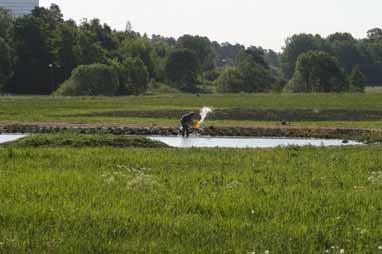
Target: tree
{"x": 182, "y": 69}
{"x": 129, "y": 27}
{"x": 140, "y": 48}
{"x": 202, "y": 48}
{"x": 226, "y": 53}
{"x": 357, "y": 80}
{"x": 295, "y": 46}
{"x": 99, "y": 34}
{"x": 89, "y": 50}
{"x": 7, "y": 52}
{"x": 6, "y": 25}
{"x": 255, "y": 72}
{"x": 6, "y": 63}
{"x": 375, "y": 33}
{"x": 345, "y": 48}
{"x": 133, "y": 76}
{"x": 66, "y": 48}
{"x": 251, "y": 74}
{"x": 91, "y": 80}
{"x": 317, "y": 71}
{"x": 33, "y": 58}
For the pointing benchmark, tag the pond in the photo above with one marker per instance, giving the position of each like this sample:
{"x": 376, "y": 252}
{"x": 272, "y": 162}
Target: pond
{"x": 242, "y": 142}
{"x": 4, "y": 138}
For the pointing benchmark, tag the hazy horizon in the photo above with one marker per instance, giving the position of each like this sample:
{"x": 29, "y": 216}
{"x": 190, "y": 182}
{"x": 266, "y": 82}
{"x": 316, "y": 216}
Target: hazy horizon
{"x": 265, "y": 23}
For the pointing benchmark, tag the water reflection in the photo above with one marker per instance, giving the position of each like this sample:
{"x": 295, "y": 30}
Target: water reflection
{"x": 235, "y": 142}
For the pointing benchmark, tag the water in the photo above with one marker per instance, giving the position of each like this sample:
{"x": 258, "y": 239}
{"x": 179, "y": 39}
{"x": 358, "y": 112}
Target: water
{"x": 4, "y": 138}
{"x": 239, "y": 142}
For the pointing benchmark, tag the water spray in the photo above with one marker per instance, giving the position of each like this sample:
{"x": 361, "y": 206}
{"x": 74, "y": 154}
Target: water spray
{"x": 203, "y": 116}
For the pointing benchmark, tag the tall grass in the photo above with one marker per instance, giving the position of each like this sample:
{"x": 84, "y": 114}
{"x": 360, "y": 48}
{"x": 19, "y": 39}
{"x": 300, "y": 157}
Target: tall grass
{"x": 109, "y": 200}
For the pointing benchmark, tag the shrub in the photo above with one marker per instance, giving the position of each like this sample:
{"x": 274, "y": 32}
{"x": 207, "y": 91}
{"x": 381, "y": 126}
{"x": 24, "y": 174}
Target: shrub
{"x": 90, "y": 80}
{"x": 230, "y": 81}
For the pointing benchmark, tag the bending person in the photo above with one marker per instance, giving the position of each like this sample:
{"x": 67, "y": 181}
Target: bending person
{"x": 187, "y": 121}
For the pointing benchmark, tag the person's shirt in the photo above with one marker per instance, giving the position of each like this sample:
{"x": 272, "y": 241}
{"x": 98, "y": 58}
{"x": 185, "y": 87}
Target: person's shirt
{"x": 187, "y": 118}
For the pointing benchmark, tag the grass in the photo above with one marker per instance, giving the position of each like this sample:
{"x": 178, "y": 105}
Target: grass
{"x": 69, "y": 110}
{"x": 111, "y": 200}
{"x": 77, "y": 140}
{"x": 67, "y": 193}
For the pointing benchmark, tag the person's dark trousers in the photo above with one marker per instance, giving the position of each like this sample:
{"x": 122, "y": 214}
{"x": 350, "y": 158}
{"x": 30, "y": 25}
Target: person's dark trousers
{"x": 185, "y": 130}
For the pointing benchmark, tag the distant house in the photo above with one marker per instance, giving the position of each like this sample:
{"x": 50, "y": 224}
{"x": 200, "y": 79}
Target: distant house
{"x": 19, "y": 7}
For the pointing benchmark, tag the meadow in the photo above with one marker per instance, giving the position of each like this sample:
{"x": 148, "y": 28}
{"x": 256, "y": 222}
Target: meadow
{"x": 112, "y": 200}
{"x": 72, "y": 193}
{"x": 80, "y": 110}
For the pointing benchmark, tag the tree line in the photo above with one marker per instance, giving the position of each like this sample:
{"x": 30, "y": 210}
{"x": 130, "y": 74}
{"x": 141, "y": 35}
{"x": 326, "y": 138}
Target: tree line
{"x": 42, "y": 53}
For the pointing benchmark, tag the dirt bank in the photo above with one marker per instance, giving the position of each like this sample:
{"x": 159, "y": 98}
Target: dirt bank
{"x": 366, "y": 135}
{"x": 249, "y": 114}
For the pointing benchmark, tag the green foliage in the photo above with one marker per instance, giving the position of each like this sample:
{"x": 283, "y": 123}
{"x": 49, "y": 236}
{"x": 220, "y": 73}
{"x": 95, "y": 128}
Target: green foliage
{"x": 230, "y": 81}
{"x": 66, "y": 48}
{"x": 33, "y": 57}
{"x": 295, "y": 46}
{"x": 90, "y": 51}
{"x": 95, "y": 79}
{"x": 202, "y": 48}
{"x": 317, "y": 72}
{"x": 357, "y": 80}
{"x": 6, "y": 53}
{"x": 255, "y": 72}
{"x": 140, "y": 48}
{"x": 182, "y": 69}
{"x": 6, "y": 25}
{"x": 252, "y": 74}
{"x": 133, "y": 76}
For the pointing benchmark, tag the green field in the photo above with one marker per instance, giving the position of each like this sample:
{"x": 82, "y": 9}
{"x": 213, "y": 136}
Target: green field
{"x": 72, "y": 110}
{"x": 109, "y": 200}
{"x": 71, "y": 193}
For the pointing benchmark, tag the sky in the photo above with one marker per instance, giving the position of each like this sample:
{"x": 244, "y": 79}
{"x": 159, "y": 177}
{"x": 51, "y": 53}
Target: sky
{"x": 265, "y": 23}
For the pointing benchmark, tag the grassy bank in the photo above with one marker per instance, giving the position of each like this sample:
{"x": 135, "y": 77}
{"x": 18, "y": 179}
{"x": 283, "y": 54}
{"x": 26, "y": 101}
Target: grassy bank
{"x": 72, "y": 139}
{"x": 110, "y": 200}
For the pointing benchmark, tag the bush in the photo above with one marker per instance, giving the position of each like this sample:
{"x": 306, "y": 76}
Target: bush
{"x": 230, "y": 81}
{"x": 90, "y": 80}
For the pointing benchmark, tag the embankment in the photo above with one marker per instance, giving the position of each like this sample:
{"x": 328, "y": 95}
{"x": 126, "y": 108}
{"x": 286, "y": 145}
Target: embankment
{"x": 358, "y": 134}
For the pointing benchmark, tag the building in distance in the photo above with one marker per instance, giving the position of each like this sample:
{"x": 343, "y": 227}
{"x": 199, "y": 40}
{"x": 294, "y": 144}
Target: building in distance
{"x": 19, "y": 7}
